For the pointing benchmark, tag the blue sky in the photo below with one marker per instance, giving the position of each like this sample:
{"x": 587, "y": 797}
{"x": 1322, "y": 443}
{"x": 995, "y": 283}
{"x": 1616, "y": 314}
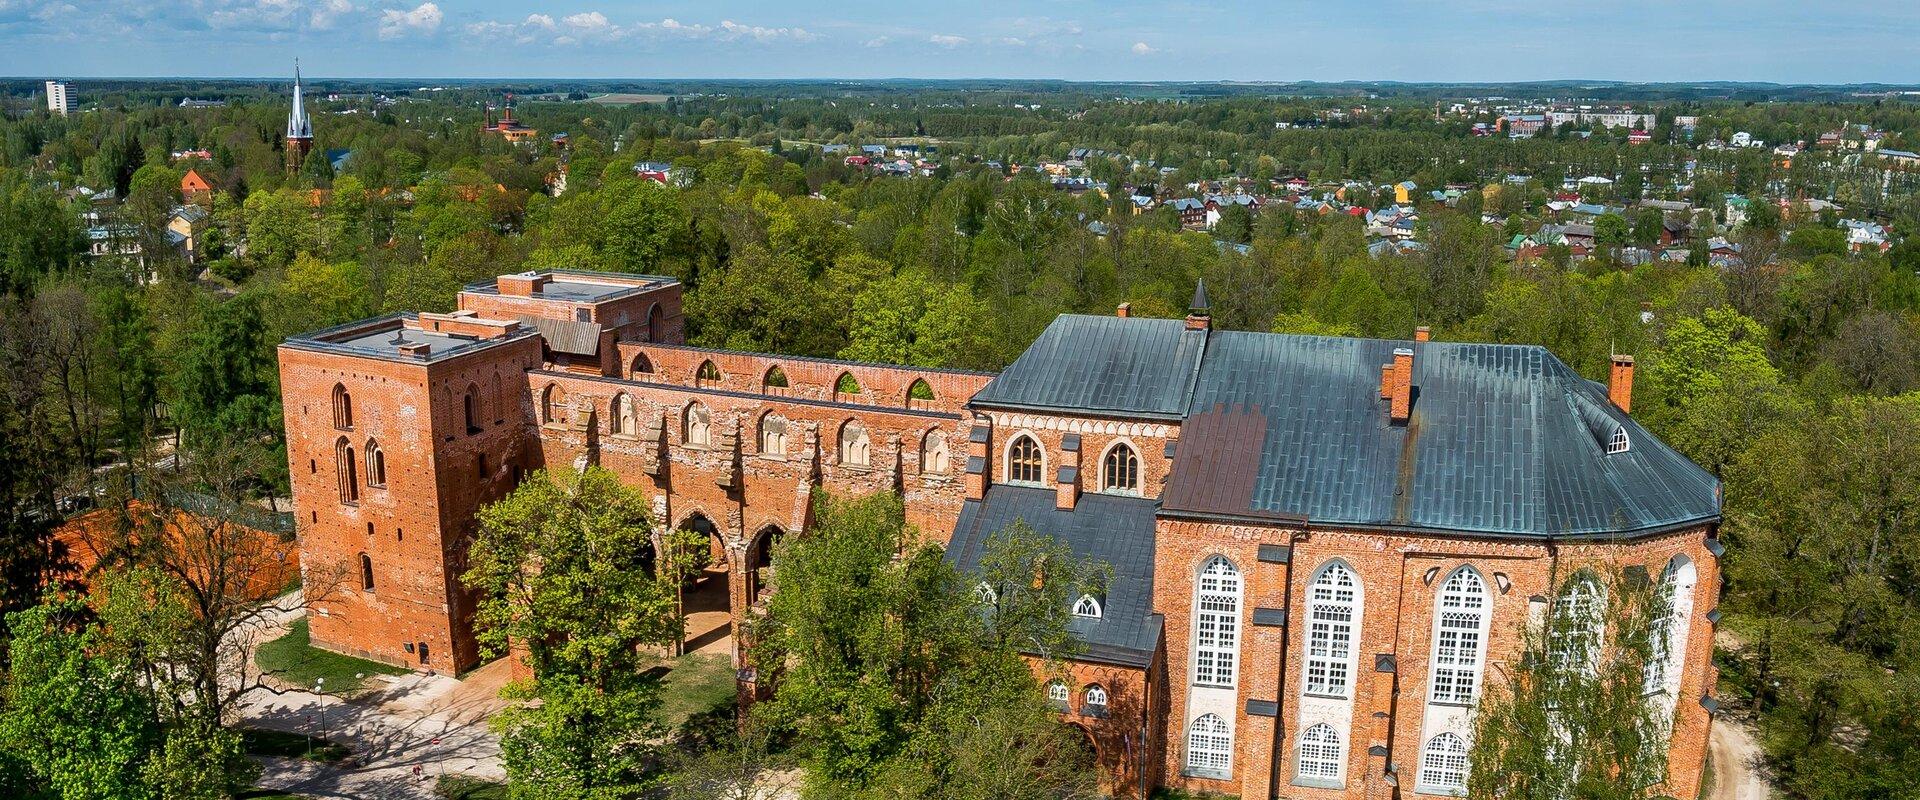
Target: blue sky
{"x": 1809, "y": 41}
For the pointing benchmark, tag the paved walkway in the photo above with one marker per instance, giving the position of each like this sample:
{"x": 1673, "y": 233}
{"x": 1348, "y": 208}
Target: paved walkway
{"x": 433, "y": 723}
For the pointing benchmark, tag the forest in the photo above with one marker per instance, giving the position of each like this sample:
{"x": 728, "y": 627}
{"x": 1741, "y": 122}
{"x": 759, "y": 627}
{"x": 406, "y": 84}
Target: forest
{"x": 1792, "y": 374}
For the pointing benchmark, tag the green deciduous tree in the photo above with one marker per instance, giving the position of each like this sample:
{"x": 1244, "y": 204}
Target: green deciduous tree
{"x": 566, "y": 570}
{"x": 74, "y": 717}
{"x": 1573, "y": 720}
{"x": 898, "y": 679}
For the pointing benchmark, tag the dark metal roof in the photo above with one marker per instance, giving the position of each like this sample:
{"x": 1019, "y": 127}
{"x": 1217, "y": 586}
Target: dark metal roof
{"x": 566, "y": 336}
{"x": 1107, "y": 528}
{"x": 1503, "y": 439}
{"x": 1102, "y": 365}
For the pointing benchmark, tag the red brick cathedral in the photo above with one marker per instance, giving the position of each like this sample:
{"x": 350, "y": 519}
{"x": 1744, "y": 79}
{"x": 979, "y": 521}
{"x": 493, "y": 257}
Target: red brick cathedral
{"x": 1322, "y": 548}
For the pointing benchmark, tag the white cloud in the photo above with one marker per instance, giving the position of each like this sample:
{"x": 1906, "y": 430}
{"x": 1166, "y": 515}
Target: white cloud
{"x": 948, "y": 41}
{"x": 1143, "y": 49}
{"x": 597, "y": 27}
{"x": 423, "y": 20}
{"x": 323, "y": 14}
{"x": 879, "y": 41}
{"x": 53, "y": 11}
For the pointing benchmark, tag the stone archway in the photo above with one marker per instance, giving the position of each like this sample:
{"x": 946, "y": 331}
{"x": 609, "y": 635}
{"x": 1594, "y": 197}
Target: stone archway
{"x": 760, "y": 563}
{"x": 706, "y": 595}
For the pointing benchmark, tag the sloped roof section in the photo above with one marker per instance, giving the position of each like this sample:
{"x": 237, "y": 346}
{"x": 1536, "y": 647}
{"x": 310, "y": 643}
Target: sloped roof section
{"x": 1106, "y": 528}
{"x": 566, "y": 336}
{"x": 1503, "y": 440}
{"x": 1102, "y": 365}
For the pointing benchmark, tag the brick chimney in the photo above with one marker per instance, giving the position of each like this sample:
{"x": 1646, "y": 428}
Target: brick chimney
{"x": 1620, "y": 383}
{"x": 1422, "y": 333}
{"x": 1402, "y": 388}
{"x": 1125, "y": 310}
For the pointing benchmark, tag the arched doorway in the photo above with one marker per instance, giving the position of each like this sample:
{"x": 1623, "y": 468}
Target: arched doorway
{"x": 760, "y": 563}
{"x": 706, "y": 593}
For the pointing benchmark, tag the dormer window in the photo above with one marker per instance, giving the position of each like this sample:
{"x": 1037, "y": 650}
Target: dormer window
{"x": 1619, "y": 443}
{"x": 1087, "y": 606}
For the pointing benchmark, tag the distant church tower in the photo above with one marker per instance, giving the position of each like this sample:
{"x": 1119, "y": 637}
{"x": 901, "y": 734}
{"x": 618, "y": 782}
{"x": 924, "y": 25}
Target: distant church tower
{"x": 299, "y": 127}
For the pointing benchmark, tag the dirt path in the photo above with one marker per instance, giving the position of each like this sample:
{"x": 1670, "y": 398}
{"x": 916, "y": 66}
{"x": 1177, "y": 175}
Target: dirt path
{"x": 1737, "y": 770}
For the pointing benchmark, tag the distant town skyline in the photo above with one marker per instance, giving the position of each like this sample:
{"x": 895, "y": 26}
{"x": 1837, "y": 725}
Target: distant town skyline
{"x": 1287, "y": 40}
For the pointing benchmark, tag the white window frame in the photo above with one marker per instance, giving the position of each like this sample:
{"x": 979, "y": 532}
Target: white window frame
{"x": 1582, "y": 590}
{"x": 1087, "y": 606}
{"x": 1058, "y": 693}
{"x": 1619, "y": 442}
{"x": 1096, "y": 696}
{"x": 1216, "y": 623}
{"x": 1678, "y": 581}
{"x": 1209, "y": 747}
{"x": 986, "y": 593}
{"x": 1333, "y": 631}
{"x": 1461, "y": 612}
{"x": 1320, "y": 756}
{"x": 1443, "y": 765}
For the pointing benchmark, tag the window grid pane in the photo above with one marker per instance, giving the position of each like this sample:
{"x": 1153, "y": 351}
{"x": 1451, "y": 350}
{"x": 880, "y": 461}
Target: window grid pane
{"x": 1461, "y": 629}
{"x": 1320, "y": 753}
{"x": 1209, "y": 745}
{"x": 1443, "y": 765}
{"x": 1330, "y": 616}
{"x": 1217, "y": 624}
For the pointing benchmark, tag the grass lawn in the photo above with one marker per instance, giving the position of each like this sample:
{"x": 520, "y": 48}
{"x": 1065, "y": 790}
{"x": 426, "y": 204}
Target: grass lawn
{"x": 294, "y": 659}
{"x": 454, "y": 787}
{"x": 696, "y": 682}
{"x": 263, "y": 742}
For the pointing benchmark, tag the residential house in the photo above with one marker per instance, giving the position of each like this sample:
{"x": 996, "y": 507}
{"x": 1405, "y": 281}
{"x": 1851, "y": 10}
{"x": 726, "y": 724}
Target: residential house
{"x": 1193, "y": 212}
{"x": 657, "y": 171}
{"x": 1866, "y": 236}
{"x": 186, "y": 230}
{"x": 196, "y": 189}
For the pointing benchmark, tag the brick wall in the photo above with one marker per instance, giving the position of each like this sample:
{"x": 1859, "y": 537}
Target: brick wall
{"x": 413, "y": 528}
{"x": 1400, "y": 576}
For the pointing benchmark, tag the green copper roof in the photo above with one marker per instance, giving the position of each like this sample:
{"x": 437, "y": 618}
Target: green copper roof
{"x": 1503, "y": 439}
{"x": 1120, "y": 366}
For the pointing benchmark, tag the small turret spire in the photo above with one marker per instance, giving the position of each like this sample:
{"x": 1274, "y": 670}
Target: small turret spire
{"x": 1198, "y": 316}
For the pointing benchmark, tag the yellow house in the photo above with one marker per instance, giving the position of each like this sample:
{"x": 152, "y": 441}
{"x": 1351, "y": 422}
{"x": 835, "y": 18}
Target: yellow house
{"x": 184, "y": 229}
{"x": 1403, "y": 192}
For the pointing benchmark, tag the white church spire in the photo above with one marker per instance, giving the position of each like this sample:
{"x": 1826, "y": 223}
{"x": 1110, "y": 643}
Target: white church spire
{"x": 298, "y": 126}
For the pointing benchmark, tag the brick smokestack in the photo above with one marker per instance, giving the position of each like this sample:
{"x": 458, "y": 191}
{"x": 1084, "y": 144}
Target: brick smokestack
{"x": 1422, "y": 333}
{"x": 1125, "y": 310}
{"x": 1402, "y": 400}
{"x": 1620, "y": 383}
